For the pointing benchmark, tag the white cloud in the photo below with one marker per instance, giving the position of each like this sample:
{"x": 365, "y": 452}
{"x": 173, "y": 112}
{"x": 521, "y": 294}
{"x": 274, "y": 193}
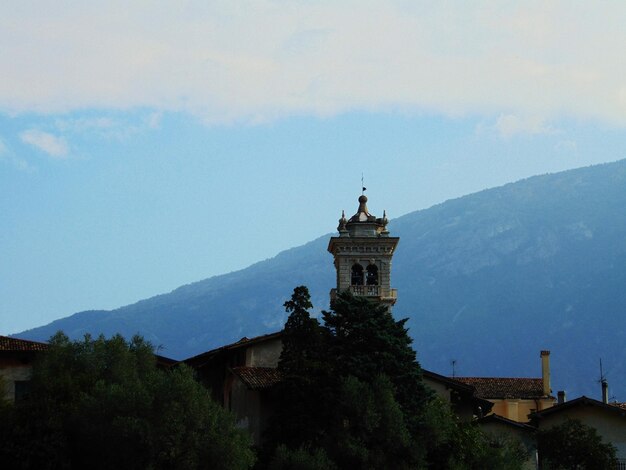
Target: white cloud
{"x": 153, "y": 120}
{"x": 260, "y": 60}
{"x": 54, "y": 146}
{"x": 119, "y": 127}
{"x": 567, "y": 146}
{"x": 7, "y": 156}
{"x": 509, "y": 125}
{"x": 85, "y": 124}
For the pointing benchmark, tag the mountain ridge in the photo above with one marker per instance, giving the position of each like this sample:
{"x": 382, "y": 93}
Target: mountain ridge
{"x": 488, "y": 279}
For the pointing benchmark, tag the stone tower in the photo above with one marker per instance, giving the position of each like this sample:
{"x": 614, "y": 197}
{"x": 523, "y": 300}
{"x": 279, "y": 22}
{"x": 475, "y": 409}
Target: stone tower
{"x": 362, "y": 253}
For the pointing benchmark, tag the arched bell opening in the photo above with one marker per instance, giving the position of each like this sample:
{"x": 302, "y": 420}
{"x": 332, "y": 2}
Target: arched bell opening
{"x": 372, "y": 275}
{"x": 356, "y": 278}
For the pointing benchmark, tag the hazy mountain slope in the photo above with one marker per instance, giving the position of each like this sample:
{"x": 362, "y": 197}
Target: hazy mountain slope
{"x": 488, "y": 280}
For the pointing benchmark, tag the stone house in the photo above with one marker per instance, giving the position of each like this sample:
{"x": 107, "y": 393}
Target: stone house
{"x": 16, "y": 359}
{"x": 241, "y": 376}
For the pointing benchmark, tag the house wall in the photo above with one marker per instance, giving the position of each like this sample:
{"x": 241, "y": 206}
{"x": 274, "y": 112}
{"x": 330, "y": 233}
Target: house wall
{"x": 12, "y": 370}
{"x": 610, "y": 426}
{"x": 525, "y": 437}
{"x": 462, "y": 407}
{"x": 264, "y": 354}
{"x": 441, "y": 390}
{"x": 246, "y": 405}
{"x": 519, "y": 409}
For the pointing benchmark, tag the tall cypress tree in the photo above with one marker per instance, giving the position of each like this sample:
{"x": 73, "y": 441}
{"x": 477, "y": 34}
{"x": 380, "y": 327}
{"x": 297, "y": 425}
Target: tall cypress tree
{"x": 297, "y": 418}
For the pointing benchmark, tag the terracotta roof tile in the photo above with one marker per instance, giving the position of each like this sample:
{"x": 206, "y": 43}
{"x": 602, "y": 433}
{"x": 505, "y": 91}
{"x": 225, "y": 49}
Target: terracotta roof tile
{"x": 14, "y": 344}
{"x": 258, "y": 378}
{"x": 503, "y": 387}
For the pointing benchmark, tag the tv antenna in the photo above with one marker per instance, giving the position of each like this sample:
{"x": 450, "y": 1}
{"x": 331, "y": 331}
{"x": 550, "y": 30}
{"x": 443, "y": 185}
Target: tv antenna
{"x": 453, "y": 362}
{"x": 605, "y": 385}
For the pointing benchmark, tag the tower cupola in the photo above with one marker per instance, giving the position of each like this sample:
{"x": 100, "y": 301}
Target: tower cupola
{"x": 362, "y": 253}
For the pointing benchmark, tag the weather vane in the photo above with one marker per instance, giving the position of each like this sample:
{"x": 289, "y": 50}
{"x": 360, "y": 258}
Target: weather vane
{"x": 363, "y": 188}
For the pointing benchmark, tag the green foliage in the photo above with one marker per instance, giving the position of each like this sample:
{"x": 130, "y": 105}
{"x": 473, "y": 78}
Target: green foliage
{"x": 104, "y": 404}
{"x": 373, "y": 432}
{"x": 301, "y": 363}
{"x": 574, "y": 445}
{"x": 300, "y": 459}
{"x": 365, "y": 341}
{"x": 351, "y": 388}
{"x": 302, "y": 340}
{"x": 353, "y": 397}
{"x": 457, "y": 445}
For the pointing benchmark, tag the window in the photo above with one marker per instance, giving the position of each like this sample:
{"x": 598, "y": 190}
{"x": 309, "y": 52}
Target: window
{"x": 357, "y": 275}
{"x": 22, "y": 389}
{"x": 372, "y": 275}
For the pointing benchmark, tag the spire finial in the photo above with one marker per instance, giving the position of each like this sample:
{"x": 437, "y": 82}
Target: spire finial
{"x": 342, "y": 223}
{"x": 363, "y": 188}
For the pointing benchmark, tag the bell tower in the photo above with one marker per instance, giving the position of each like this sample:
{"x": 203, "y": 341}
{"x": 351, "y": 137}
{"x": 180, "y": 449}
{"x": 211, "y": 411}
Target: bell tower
{"x": 362, "y": 253}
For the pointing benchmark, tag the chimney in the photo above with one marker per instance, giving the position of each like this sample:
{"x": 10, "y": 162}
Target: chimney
{"x": 560, "y": 397}
{"x": 605, "y": 392}
{"x": 545, "y": 372}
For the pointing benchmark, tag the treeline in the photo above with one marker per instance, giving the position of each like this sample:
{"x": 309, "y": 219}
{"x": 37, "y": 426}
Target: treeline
{"x": 352, "y": 397}
{"x": 103, "y": 404}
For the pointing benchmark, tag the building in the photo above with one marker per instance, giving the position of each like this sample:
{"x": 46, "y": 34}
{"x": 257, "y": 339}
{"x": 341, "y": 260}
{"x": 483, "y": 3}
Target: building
{"x": 16, "y": 360}
{"x": 500, "y": 428}
{"x": 362, "y": 256}
{"x": 608, "y": 420}
{"x": 241, "y": 375}
{"x": 462, "y": 398}
{"x": 517, "y": 397}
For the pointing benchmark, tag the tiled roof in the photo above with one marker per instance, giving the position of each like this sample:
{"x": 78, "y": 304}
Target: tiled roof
{"x": 203, "y": 357}
{"x": 619, "y": 405}
{"x": 580, "y": 402}
{"x": 502, "y": 387}
{"x": 14, "y": 344}
{"x": 258, "y": 378}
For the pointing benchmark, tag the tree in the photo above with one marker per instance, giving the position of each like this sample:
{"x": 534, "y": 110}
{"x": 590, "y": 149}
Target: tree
{"x": 298, "y": 417}
{"x": 104, "y": 404}
{"x": 574, "y": 445}
{"x": 454, "y": 444}
{"x": 366, "y": 341}
{"x": 351, "y": 389}
{"x": 352, "y": 396}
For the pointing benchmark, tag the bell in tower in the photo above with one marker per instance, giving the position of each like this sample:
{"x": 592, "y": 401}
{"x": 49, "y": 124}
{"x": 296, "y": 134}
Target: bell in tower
{"x": 362, "y": 254}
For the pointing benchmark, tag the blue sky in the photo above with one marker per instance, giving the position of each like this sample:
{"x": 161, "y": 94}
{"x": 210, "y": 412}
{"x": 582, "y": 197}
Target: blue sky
{"x": 145, "y": 146}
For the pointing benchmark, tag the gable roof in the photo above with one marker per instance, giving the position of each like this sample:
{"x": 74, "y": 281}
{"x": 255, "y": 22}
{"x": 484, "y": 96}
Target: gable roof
{"x": 579, "y": 402}
{"x": 258, "y": 378}
{"x": 199, "y": 359}
{"x": 505, "y": 387}
{"x": 494, "y": 418}
{"x": 14, "y": 344}
{"x": 462, "y": 389}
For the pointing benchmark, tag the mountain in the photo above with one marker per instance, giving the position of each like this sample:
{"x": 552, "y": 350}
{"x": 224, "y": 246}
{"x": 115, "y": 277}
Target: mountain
{"x": 487, "y": 280}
